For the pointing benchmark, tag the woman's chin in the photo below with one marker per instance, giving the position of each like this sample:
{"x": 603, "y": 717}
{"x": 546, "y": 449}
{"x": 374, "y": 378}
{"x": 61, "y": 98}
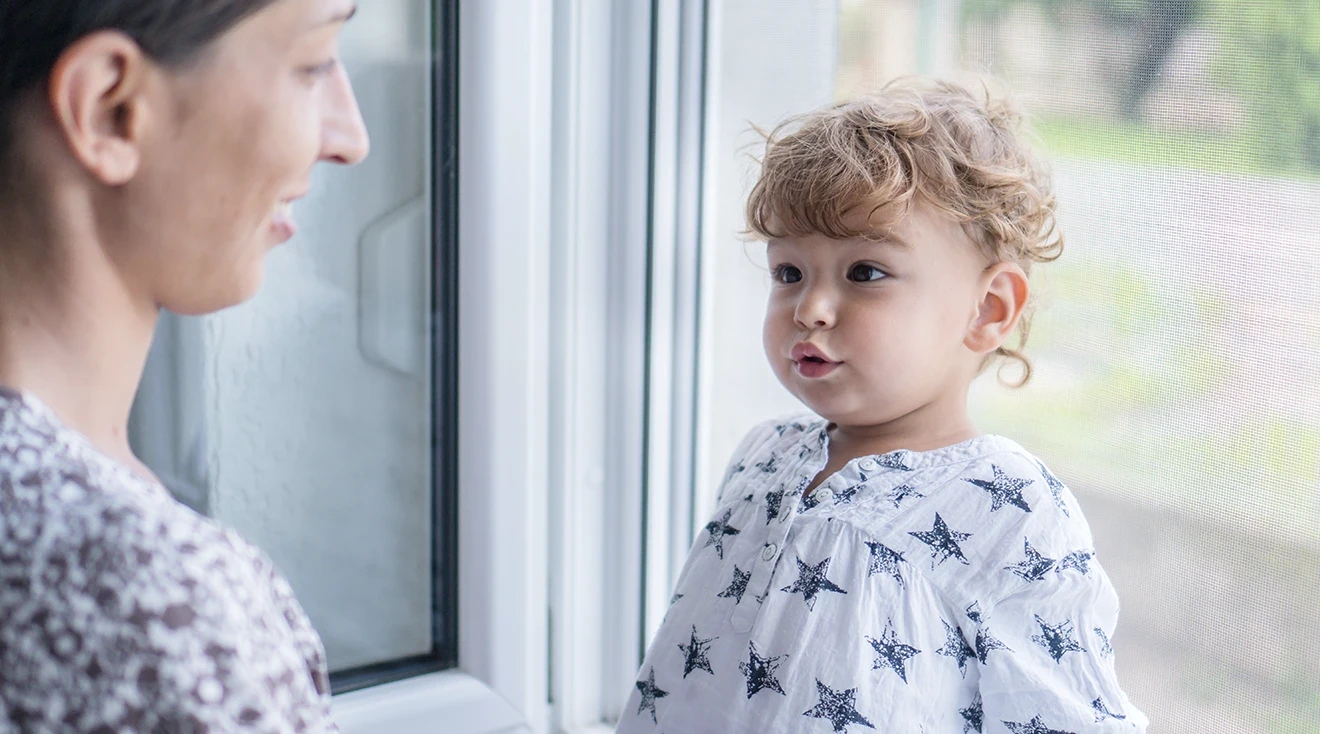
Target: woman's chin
{"x": 218, "y": 297}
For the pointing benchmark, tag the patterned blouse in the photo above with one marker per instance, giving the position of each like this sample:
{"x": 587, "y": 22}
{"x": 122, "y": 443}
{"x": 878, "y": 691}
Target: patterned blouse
{"x": 123, "y": 611}
{"x": 954, "y": 590}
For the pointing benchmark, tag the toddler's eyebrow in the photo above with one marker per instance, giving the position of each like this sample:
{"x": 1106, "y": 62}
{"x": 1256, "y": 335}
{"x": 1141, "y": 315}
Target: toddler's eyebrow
{"x": 891, "y": 239}
{"x": 883, "y": 239}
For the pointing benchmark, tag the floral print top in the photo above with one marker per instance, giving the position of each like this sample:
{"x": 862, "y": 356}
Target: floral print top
{"x": 121, "y": 610}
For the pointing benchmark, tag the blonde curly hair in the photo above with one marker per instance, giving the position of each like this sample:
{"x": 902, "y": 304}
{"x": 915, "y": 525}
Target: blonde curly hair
{"x": 960, "y": 150}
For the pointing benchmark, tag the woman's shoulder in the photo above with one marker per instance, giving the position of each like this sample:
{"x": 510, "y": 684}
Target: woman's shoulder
{"x": 74, "y": 518}
{"x": 101, "y": 567}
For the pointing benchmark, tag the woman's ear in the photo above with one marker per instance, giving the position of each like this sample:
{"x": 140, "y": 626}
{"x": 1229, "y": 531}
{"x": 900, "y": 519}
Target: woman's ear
{"x": 1005, "y": 290}
{"x": 97, "y": 93}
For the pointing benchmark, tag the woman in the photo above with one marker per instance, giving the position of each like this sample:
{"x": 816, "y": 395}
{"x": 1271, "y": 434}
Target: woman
{"x": 150, "y": 151}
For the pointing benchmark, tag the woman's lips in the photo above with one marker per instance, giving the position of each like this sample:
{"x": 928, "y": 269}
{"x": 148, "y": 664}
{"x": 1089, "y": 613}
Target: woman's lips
{"x": 282, "y": 222}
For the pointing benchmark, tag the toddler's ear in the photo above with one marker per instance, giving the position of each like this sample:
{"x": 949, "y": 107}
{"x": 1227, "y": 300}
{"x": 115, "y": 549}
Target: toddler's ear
{"x": 1004, "y": 295}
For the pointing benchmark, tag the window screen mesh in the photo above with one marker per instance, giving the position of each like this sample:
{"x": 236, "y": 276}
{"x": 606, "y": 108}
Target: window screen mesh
{"x": 1177, "y": 343}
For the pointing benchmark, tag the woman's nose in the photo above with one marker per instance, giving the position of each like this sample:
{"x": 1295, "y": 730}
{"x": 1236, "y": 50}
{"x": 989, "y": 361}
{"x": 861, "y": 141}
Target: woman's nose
{"x": 344, "y": 138}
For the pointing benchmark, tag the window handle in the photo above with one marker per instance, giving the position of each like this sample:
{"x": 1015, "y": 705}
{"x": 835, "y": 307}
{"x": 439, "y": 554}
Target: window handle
{"x": 394, "y": 289}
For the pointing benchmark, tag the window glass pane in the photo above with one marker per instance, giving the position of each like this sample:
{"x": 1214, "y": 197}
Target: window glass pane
{"x": 304, "y": 418}
{"x": 1178, "y": 383}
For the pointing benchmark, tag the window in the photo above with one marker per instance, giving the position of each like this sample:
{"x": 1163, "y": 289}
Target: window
{"x": 1177, "y": 379}
{"x": 433, "y": 416}
{"x": 319, "y": 420}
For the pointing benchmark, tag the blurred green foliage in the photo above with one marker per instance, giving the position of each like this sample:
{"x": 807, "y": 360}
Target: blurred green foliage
{"x": 1267, "y": 57}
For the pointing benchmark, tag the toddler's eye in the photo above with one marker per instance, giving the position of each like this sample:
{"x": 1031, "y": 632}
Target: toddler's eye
{"x": 786, "y": 274}
{"x": 863, "y": 273}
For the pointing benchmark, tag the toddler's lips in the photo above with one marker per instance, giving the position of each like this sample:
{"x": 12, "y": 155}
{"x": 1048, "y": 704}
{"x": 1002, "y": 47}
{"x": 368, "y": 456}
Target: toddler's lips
{"x": 811, "y": 360}
{"x": 815, "y": 368}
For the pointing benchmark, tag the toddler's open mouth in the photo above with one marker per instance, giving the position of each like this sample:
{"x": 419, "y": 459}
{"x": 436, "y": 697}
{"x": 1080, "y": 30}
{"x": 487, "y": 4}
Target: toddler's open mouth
{"x": 811, "y": 361}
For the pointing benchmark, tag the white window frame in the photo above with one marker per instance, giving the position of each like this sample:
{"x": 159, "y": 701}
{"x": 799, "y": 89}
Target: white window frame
{"x": 579, "y": 221}
{"x": 500, "y": 684}
{"x": 600, "y": 163}
{"x": 628, "y": 120}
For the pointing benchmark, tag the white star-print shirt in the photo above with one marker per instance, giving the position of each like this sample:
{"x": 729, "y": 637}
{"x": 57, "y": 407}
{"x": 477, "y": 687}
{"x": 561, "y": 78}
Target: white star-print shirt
{"x": 121, "y": 610}
{"x": 954, "y": 591}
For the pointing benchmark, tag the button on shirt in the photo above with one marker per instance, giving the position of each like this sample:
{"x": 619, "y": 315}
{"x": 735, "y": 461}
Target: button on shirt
{"x": 954, "y": 590}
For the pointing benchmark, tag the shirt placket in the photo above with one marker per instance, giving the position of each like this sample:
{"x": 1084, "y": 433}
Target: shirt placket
{"x": 767, "y": 559}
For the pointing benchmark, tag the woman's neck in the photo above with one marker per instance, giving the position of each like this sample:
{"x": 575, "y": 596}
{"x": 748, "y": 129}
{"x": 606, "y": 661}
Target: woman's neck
{"x": 71, "y": 332}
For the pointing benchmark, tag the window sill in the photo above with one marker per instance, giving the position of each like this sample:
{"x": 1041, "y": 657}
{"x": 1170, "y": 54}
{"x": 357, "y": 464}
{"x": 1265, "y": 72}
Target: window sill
{"x": 450, "y": 702}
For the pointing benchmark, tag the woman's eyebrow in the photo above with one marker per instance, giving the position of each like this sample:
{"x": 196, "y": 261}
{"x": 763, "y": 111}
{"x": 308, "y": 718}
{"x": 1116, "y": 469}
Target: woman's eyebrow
{"x": 342, "y": 16}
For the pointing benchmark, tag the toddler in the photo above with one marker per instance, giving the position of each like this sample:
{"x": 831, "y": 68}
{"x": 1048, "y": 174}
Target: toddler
{"x": 882, "y": 565}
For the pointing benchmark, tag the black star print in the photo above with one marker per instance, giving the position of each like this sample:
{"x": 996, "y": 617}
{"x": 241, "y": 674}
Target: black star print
{"x": 985, "y": 642}
{"x": 718, "y": 530}
{"x": 847, "y": 495}
{"x": 1056, "y": 639}
{"x": 839, "y": 707}
{"x": 738, "y": 468}
{"x": 974, "y": 612}
{"x": 674, "y": 599}
{"x": 943, "y": 542}
{"x": 973, "y": 716}
{"x": 810, "y": 501}
{"x": 1102, "y": 711}
{"x": 802, "y": 485}
{"x": 760, "y": 672}
{"x": 783, "y": 428}
{"x": 770, "y": 465}
{"x": 1105, "y": 649}
{"x": 902, "y": 492}
{"x": 750, "y": 497}
{"x": 696, "y": 654}
{"x": 1056, "y": 489}
{"x": 772, "y": 502}
{"x": 811, "y": 581}
{"x": 885, "y": 559}
{"x": 894, "y": 460}
{"x": 761, "y": 599}
{"x": 1003, "y": 490}
{"x": 956, "y": 647}
{"x": 1035, "y": 567}
{"x": 1035, "y": 726}
{"x": 890, "y": 653}
{"x": 1080, "y": 560}
{"x": 650, "y": 694}
{"x": 738, "y": 587}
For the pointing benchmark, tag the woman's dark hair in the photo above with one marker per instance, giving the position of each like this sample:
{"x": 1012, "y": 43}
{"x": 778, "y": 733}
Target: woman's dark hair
{"x": 33, "y": 34}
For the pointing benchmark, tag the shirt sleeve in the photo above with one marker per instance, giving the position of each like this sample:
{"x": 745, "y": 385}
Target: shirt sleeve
{"x": 1047, "y": 665}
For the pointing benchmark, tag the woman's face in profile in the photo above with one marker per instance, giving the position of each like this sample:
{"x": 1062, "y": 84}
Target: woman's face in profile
{"x": 247, "y": 123}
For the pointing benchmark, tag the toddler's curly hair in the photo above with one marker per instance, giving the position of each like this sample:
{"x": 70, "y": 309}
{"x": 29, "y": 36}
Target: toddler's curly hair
{"x": 960, "y": 150}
